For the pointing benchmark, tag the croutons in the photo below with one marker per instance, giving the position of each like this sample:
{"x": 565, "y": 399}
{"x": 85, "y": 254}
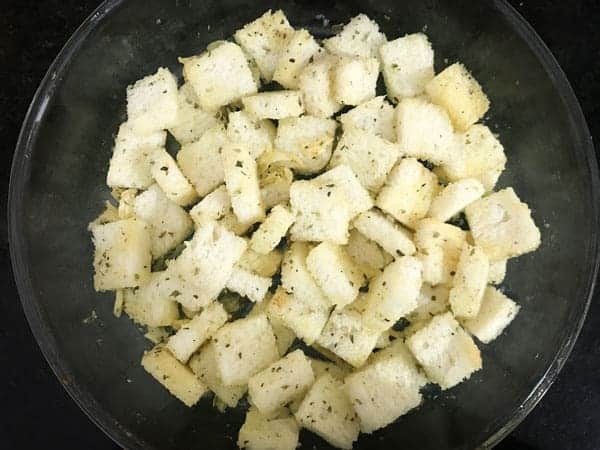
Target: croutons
{"x": 192, "y": 121}
{"x": 355, "y": 80}
{"x": 375, "y": 116}
{"x": 495, "y": 313}
{"x": 274, "y": 105}
{"x": 497, "y": 271}
{"x": 272, "y": 230}
{"x": 170, "y": 179}
{"x": 469, "y": 282}
{"x": 248, "y": 284}
{"x": 213, "y": 207}
{"x": 432, "y": 300}
{"x": 148, "y": 306}
{"x": 300, "y": 49}
{"x": 366, "y": 254}
{"x": 257, "y": 135}
{"x": 359, "y": 37}
{"x": 263, "y": 265}
{"x": 316, "y": 85}
{"x": 275, "y": 182}
{"x": 454, "y": 198}
{"x": 260, "y": 432}
{"x": 390, "y": 236}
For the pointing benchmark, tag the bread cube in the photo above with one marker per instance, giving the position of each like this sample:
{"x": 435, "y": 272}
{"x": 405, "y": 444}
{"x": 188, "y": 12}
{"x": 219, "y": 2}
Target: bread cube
{"x": 432, "y": 300}
{"x": 387, "y": 388}
{"x": 297, "y": 54}
{"x": 370, "y": 157}
{"x": 321, "y": 367}
{"x": 496, "y": 312}
{"x": 375, "y": 116}
{"x": 170, "y": 178}
{"x": 424, "y": 131}
{"x": 497, "y": 271}
{"x": 109, "y": 214}
{"x": 156, "y": 335}
{"x": 192, "y": 121}
{"x": 342, "y": 177}
{"x": 244, "y": 348}
{"x": 366, "y": 254}
{"x": 283, "y": 335}
{"x": 248, "y": 284}
{"x": 147, "y": 306}
{"x": 502, "y": 225}
{"x": 455, "y": 89}
{"x": 219, "y": 76}
{"x": 390, "y": 236}
{"x": 265, "y": 40}
{"x": 275, "y": 184}
{"x": 308, "y": 140}
{"x": 316, "y": 84}
{"x": 408, "y": 192}
{"x": 469, "y": 282}
{"x": 359, "y": 37}
{"x": 355, "y": 80}
{"x": 122, "y": 255}
{"x": 152, "y": 102}
{"x": 126, "y": 201}
{"x": 272, "y": 230}
{"x": 326, "y": 410}
{"x": 407, "y": 65}
{"x": 335, "y": 273}
{"x": 174, "y": 376}
{"x": 263, "y": 265}
{"x": 213, "y": 207}
{"x": 262, "y": 433}
{"x": 274, "y": 105}
{"x": 454, "y": 198}
{"x": 257, "y": 135}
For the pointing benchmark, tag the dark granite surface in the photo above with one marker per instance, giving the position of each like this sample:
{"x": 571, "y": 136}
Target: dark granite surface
{"x": 37, "y": 412}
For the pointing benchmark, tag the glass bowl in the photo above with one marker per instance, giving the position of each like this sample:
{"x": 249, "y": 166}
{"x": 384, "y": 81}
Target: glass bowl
{"x": 57, "y": 187}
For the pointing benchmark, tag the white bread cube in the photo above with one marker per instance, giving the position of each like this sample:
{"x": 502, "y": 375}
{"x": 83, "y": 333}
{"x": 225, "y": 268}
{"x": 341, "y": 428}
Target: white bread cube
{"x": 214, "y": 206}
{"x": 496, "y": 312}
{"x": 174, "y": 376}
{"x": 126, "y": 201}
{"x": 387, "y": 388}
{"x": 274, "y": 105}
{"x": 219, "y": 76}
{"x": 146, "y": 306}
{"x": 257, "y": 135}
{"x": 432, "y": 300}
{"x": 283, "y": 335}
{"x": 192, "y": 121}
{"x": 370, "y": 157}
{"x": 198, "y": 330}
{"x": 335, "y": 273}
{"x": 359, "y": 37}
{"x": 316, "y": 85}
{"x": 170, "y": 178}
{"x": 355, "y": 80}
{"x": 366, "y": 254}
{"x": 502, "y": 225}
{"x": 241, "y": 180}
{"x": 281, "y": 382}
{"x": 490, "y": 178}
{"x": 152, "y": 102}
{"x": 265, "y": 40}
{"x": 454, "y": 198}
{"x": 248, "y": 284}
{"x": 424, "y": 130}
{"x": 455, "y": 89}
{"x": 343, "y": 178}
{"x": 244, "y": 348}
{"x": 156, "y": 335}
{"x": 297, "y": 54}
{"x": 469, "y": 282}
{"x": 408, "y": 192}
{"x": 122, "y": 255}
{"x": 263, "y": 433}
{"x": 275, "y": 182}
{"x": 326, "y": 410}
{"x": 263, "y": 265}
{"x": 321, "y": 367}
{"x": 375, "y": 116}
{"x": 200, "y": 161}
{"x": 407, "y": 65}
{"x": 497, "y": 271}
{"x": 272, "y": 230}
{"x": 390, "y": 236}
{"x": 169, "y": 223}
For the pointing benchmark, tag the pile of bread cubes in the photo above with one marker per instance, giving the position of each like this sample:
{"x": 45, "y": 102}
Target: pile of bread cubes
{"x": 325, "y": 208}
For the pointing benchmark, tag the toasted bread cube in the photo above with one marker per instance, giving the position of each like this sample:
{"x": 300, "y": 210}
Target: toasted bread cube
{"x": 219, "y": 76}
{"x": 298, "y": 52}
{"x": 497, "y": 271}
{"x": 469, "y": 282}
{"x": 262, "y": 433}
{"x": 152, "y": 102}
{"x": 241, "y": 180}
{"x": 244, "y": 348}
{"x": 170, "y": 178}
{"x": 333, "y": 270}
{"x": 272, "y": 230}
{"x": 355, "y": 80}
{"x": 366, "y": 254}
{"x": 192, "y": 121}
{"x": 432, "y": 300}
{"x": 122, "y": 255}
{"x": 126, "y": 204}
{"x": 424, "y": 131}
{"x": 359, "y": 37}
{"x": 445, "y": 351}
{"x": 275, "y": 182}
{"x": 387, "y": 388}
{"x": 308, "y": 140}
{"x": 391, "y": 237}
{"x": 283, "y": 335}
{"x": 502, "y": 225}
{"x": 407, "y": 65}
{"x": 370, "y": 157}
{"x": 169, "y": 223}
{"x": 265, "y": 40}
{"x": 177, "y": 378}
{"x": 408, "y": 192}
{"x": 393, "y": 294}
{"x": 147, "y": 306}
{"x": 321, "y": 367}
{"x": 258, "y": 135}
{"x": 316, "y": 85}
{"x": 264, "y": 265}
{"x": 375, "y": 116}
{"x": 460, "y": 94}
{"x": 281, "y": 382}
{"x": 342, "y": 177}
{"x": 454, "y": 198}
{"x": 274, "y": 105}
{"x": 213, "y": 207}
{"x": 439, "y": 246}
{"x": 496, "y": 313}
{"x": 248, "y": 284}
{"x": 326, "y": 410}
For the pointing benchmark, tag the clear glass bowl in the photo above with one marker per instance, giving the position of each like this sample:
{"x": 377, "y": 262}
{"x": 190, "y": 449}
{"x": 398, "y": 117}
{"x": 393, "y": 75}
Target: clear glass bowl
{"x": 57, "y": 187}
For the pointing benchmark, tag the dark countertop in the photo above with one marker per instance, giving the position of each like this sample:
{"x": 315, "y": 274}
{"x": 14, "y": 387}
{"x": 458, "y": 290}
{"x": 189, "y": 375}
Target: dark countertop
{"x": 37, "y": 412}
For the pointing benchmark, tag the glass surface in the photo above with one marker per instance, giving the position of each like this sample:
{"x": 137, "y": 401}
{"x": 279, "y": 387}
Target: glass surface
{"x": 57, "y": 187}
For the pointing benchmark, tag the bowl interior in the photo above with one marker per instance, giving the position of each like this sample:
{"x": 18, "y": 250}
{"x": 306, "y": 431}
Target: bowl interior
{"x": 58, "y": 186}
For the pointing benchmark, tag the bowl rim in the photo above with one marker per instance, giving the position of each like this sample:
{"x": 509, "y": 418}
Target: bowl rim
{"x": 43, "y": 334}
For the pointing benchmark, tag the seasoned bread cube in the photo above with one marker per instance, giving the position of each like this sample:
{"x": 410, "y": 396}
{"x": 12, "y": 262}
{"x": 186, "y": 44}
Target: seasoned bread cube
{"x": 272, "y": 230}
{"x": 355, "y": 80}
{"x": 283, "y": 335}
{"x": 147, "y": 306}
{"x": 454, "y": 198}
{"x": 375, "y": 116}
{"x": 214, "y": 206}
{"x": 455, "y": 89}
{"x": 326, "y": 410}
{"x": 274, "y": 105}
{"x": 316, "y": 85}
{"x": 321, "y": 367}
{"x": 122, "y": 255}
{"x": 502, "y": 225}
{"x": 174, "y": 376}
{"x": 469, "y": 282}
{"x": 152, "y": 102}
{"x": 300, "y": 49}
{"x": 262, "y": 433}
{"x": 343, "y": 178}
{"x": 170, "y": 179}
{"x": 248, "y": 284}
{"x": 408, "y": 192}
{"x": 497, "y": 271}
{"x": 275, "y": 182}
{"x": 496, "y": 312}
{"x": 219, "y": 76}
{"x": 366, "y": 254}
{"x": 407, "y": 65}
{"x": 359, "y": 37}
{"x": 126, "y": 201}
{"x": 257, "y": 135}
{"x": 264, "y": 265}
{"x": 192, "y": 121}
{"x": 390, "y": 236}
{"x": 432, "y": 300}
